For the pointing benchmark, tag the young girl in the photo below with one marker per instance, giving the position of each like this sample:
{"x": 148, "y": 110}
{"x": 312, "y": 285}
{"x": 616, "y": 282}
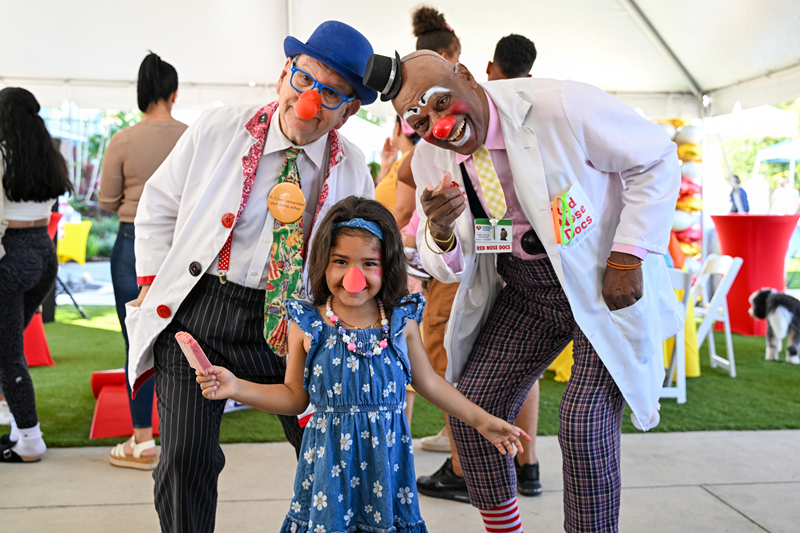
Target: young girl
{"x": 351, "y": 351}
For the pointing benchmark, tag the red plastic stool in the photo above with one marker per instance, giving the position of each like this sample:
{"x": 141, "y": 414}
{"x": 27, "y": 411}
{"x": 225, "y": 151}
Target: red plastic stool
{"x": 112, "y": 414}
{"x": 36, "y": 350}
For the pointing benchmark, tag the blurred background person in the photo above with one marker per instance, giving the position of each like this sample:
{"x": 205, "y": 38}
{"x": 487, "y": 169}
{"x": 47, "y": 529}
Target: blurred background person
{"x": 513, "y": 57}
{"x": 33, "y": 175}
{"x": 739, "y": 203}
{"x": 785, "y": 199}
{"x": 432, "y": 33}
{"x": 131, "y": 158}
{"x": 396, "y": 196}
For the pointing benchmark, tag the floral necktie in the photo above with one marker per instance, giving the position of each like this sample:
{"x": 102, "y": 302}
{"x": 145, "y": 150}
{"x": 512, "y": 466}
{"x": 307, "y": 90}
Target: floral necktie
{"x": 285, "y": 279}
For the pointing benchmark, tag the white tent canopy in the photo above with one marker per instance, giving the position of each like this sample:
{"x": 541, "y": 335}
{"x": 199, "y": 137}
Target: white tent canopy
{"x": 662, "y": 57}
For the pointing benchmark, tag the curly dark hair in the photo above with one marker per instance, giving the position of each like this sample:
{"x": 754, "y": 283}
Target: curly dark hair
{"x": 515, "y": 54}
{"x": 34, "y": 170}
{"x": 395, "y": 279}
{"x": 157, "y": 81}
{"x": 432, "y": 31}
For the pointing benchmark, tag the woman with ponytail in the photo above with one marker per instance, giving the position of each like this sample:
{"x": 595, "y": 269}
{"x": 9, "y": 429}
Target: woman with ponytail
{"x": 33, "y": 175}
{"x": 132, "y": 156}
{"x": 434, "y": 33}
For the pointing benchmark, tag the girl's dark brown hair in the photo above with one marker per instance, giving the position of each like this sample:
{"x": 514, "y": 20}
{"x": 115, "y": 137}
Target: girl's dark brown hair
{"x": 395, "y": 279}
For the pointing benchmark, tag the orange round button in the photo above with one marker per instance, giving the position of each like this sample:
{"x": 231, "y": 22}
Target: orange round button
{"x": 227, "y": 219}
{"x": 163, "y": 311}
{"x": 286, "y": 202}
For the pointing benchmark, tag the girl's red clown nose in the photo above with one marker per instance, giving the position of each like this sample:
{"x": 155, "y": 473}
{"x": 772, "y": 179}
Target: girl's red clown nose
{"x": 354, "y": 281}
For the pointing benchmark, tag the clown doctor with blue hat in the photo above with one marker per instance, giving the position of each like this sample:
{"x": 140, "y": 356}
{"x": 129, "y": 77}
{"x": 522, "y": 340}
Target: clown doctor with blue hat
{"x": 222, "y": 232}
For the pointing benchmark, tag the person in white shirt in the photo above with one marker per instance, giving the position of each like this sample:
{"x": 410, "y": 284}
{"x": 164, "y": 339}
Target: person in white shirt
{"x": 222, "y": 231}
{"x": 586, "y": 189}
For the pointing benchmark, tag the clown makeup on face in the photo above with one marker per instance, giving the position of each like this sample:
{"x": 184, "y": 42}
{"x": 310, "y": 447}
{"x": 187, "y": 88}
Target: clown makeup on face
{"x": 442, "y": 102}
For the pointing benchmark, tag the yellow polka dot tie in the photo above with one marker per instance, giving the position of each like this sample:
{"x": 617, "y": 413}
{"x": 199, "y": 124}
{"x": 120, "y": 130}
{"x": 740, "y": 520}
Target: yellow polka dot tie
{"x": 490, "y": 183}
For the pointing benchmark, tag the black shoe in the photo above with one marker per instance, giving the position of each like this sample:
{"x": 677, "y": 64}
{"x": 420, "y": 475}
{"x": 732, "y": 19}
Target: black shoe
{"x": 6, "y": 442}
{"x": 528, "y": 479}
{"x": 444, "y": 484}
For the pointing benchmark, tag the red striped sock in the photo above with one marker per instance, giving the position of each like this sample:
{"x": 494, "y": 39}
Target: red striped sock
{"x": 503, "y": 519}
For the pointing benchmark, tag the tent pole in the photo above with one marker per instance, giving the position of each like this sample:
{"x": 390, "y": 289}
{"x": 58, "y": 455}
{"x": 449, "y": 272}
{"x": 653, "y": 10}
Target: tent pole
{"x": 289, "y": 17}
{"x": 792, "y": 163}
{"x": 647, "y": 27}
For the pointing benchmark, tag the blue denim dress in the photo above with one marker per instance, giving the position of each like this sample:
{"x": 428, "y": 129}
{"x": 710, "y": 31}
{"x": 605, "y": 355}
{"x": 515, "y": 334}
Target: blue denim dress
{"x": 356, "y": 469}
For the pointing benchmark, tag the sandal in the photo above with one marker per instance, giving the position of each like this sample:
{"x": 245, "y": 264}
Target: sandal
{"x": 118, "y": 458}
{"x": 10, "y": 456}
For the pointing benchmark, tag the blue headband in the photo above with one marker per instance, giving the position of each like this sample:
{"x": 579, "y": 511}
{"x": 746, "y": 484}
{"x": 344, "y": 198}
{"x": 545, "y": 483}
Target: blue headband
{"x": 360, "y": 223}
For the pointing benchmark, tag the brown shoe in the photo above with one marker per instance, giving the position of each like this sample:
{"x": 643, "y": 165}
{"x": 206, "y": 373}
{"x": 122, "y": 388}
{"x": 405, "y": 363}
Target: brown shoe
{"x": 118, "y": 458}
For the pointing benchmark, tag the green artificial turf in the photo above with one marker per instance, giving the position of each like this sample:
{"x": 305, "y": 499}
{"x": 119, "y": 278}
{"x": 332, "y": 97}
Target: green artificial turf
{"x": 765, "y": 395}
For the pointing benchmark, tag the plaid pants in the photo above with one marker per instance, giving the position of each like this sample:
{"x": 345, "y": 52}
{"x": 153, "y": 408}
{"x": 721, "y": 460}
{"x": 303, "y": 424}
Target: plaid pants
{"x": 529, "y": 326}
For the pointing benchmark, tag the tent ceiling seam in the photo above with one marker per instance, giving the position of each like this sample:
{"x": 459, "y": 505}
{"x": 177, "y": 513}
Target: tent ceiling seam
{"x": 121, "y": 83}
{"x": 645, "y": 25}
{"x": 768, "y": 74}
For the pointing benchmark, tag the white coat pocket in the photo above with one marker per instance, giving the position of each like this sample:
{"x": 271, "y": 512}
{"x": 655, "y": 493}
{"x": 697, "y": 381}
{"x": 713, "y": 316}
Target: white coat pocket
{"x": 638, "y": 327}
{"x": 131, "y": 317}
{"x": 581, "y": 220}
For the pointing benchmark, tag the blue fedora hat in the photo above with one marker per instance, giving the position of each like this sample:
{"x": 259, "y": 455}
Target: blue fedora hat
{"x": 340, "y": 47}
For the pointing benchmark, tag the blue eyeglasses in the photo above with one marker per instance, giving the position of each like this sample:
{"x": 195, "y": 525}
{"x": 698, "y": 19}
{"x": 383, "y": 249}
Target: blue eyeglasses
{"x": 302, "y": 81}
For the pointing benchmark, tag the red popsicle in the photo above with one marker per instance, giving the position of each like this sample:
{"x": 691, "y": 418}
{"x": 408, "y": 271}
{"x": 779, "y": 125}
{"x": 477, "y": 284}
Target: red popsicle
{"x": 193, "y": 352}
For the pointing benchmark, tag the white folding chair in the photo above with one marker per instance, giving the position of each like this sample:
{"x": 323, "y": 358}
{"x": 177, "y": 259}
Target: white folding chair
{"x": 714, "y": 308}
{"x": 677, "y": 366}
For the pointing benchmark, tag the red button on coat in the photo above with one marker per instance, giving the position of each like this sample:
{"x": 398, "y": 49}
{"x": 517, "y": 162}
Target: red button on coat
{"x": 163, "y": 311}
{"x": 227, "y": 219}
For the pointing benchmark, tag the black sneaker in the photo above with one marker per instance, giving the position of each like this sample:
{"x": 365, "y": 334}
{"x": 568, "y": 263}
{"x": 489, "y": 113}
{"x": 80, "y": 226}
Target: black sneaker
{"x": 444, "y": 484}
{"x": 528, "y": 479}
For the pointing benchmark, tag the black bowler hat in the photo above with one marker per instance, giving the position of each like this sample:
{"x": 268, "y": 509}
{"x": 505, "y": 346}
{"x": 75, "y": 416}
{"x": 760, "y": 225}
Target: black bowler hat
{"x": 383, "y": 75}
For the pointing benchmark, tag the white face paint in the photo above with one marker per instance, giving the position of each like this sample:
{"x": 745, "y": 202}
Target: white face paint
{"x": 423, "y": 101}
{"x": 410, "y": 113}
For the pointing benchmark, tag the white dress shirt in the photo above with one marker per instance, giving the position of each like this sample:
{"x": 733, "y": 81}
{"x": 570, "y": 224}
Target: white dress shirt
{"x": 252, "y": 236}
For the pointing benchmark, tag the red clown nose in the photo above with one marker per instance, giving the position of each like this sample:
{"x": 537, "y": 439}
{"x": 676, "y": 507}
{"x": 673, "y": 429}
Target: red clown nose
{"x": 354, "y": 281}
{"x": 443, "y": 127}
{"x": 308, "y": 105}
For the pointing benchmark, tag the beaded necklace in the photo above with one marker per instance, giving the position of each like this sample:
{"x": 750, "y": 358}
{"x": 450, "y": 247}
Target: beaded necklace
{"x": 349, "y": 341}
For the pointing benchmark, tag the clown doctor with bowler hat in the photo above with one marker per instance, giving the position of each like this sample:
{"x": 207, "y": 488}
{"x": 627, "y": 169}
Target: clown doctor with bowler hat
{"x": 588, "y": 188}
{"x": 213, "y": 260}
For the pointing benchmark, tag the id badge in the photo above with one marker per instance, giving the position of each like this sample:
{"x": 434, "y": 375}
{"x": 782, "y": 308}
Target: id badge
{"x": 493, "y": 236}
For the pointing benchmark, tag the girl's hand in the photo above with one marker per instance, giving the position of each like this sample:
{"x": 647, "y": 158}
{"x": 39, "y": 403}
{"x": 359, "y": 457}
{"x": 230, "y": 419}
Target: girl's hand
{"x": 502, "y": 434}
{"x": 218, "y": 384}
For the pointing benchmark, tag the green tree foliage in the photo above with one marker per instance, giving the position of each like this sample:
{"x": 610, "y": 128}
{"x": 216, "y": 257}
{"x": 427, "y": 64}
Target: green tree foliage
{"x": 742, "y": 155}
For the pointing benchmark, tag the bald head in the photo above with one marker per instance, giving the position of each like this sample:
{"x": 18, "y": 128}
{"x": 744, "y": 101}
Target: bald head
{"x": 433, "y": 89}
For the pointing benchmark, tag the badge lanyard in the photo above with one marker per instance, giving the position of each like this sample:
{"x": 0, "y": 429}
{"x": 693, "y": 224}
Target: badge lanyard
{"x": 565, "y": 212}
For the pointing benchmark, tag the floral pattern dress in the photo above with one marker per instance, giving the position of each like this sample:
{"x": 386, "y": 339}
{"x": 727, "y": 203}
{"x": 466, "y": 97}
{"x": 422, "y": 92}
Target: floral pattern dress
{"x": 356, "y": 469}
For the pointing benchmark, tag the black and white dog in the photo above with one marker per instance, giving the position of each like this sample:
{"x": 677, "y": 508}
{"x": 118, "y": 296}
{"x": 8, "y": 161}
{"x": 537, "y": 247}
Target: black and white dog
{"x": 783, "y": 320}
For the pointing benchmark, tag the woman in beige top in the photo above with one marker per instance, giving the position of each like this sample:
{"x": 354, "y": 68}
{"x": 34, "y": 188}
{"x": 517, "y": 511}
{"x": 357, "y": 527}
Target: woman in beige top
{"x": 132, "y": 156}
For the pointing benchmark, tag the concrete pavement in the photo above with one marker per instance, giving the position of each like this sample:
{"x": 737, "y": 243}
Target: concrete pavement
{"x": 744, "y": 481}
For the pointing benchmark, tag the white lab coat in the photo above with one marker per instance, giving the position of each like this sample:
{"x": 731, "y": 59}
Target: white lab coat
{"x": 566, "y": 136}
{"x": 179, "y": 216}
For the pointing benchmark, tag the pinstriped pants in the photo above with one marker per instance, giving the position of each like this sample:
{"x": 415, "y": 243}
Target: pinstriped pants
{"x": 530, "y": 324}
{"x": 228, "y": 323}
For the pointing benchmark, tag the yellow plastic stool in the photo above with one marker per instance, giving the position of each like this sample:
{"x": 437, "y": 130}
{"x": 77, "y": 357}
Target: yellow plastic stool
{"x": 72, "y": 245}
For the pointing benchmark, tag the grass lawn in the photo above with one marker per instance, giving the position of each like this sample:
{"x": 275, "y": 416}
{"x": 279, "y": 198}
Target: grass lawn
{"x": 765, "y": 395}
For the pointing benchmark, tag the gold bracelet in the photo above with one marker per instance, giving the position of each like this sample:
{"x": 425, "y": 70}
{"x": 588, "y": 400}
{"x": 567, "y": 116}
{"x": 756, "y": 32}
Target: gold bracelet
{"x": 623, "y": 267}
{"x": 449, "y": 248}
{"x": 445, "y": 241}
